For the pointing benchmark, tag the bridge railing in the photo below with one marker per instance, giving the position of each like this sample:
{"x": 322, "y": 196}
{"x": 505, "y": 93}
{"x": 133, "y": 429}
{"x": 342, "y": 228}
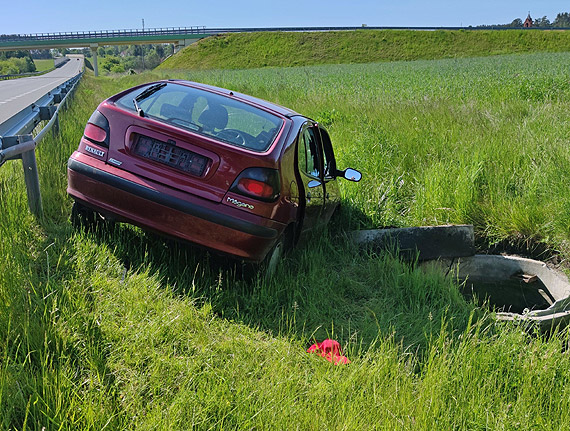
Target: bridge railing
{"x": 102, "y": 34}
{"x": 16, "y": 141}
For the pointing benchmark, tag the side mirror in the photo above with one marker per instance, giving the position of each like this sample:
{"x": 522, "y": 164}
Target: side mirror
{"x": 351, "y": 174}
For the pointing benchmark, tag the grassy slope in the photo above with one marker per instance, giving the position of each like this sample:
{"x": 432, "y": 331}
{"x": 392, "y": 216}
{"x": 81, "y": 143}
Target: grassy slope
{"x": 42, "y": 65}
{"x": 251, "y": 50}
{"x": 120, "y": 329}
{"x": 175, "y": 343}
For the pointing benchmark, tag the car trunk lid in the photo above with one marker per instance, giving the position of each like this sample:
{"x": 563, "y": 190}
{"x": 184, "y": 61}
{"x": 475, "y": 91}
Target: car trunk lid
{"x": 173, "y": 159}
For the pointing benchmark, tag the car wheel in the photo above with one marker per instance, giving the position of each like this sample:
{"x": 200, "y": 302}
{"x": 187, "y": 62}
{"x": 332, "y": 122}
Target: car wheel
{"x": 273, "y": 259}
{"x": 278, "y": 253}
{"x": 83, "y": 217}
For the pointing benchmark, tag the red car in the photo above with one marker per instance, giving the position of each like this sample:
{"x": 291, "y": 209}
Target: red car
{"x": 230, "y": 172}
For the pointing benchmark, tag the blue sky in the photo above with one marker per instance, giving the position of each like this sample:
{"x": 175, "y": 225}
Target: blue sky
{"x": 59, "y": 15}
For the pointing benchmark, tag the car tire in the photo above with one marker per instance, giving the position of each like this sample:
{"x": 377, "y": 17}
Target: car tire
{"x": 278, "y": 253}
{"x": 83, "y": 217}
{"x": 274, "y": 258}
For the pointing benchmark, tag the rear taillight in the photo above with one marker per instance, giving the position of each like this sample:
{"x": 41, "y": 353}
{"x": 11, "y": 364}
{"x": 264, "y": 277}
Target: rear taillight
{"x": 97, "y": 129}
{"x": 95, "y": 133}
{"x": 258, "y": 183}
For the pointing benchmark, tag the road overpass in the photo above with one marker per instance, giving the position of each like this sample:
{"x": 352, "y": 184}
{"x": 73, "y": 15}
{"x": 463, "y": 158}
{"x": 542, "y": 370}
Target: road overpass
{"x": 179, "y": 36}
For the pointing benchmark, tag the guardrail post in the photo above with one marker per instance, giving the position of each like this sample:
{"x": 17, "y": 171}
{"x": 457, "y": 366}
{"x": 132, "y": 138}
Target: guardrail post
{"x": 31, "y": 178}
{"x": 55, "y": 129}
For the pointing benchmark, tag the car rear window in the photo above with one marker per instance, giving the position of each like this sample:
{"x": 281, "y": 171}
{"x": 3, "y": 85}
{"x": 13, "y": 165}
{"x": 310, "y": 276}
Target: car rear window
{"x": 206, "y": 113}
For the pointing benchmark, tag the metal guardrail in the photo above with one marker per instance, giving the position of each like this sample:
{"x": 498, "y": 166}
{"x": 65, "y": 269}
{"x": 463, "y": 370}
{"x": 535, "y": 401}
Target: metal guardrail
{"x": 16, "y": 142}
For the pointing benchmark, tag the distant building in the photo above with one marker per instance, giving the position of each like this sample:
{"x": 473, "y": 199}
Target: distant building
{"x": 528, "y": 21}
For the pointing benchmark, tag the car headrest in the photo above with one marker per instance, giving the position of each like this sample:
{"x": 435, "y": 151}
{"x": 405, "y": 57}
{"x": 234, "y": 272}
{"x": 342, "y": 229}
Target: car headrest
{"x": 215, "y": 117}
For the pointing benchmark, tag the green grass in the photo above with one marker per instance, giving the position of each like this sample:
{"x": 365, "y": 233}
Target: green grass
{"x": 280, "y": 49}
{"x": 42, "y": 65}
{"x": 119, "y": 329}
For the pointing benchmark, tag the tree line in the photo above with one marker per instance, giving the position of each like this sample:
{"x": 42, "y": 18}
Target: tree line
{"x": 126, "y": 58}
{"x": 16, "y": 62}
{"x": 562, "y": 20}
{"x": 129, "y": 58}
{"x": 112, "y": 59}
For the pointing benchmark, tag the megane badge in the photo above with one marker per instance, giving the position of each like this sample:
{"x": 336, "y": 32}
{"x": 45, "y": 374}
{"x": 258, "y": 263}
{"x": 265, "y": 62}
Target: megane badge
{"x": 240, "y": 204}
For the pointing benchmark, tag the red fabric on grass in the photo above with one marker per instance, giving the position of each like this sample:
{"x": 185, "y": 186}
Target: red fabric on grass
{"x": 330, "y": 350}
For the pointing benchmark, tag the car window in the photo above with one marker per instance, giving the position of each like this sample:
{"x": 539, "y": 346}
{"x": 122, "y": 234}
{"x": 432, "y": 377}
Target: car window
{"x": 329, "y": 164}
{"x": 308, "y": 154}
{"x": 224, "y": 118}
{"x": 170, "y": 107}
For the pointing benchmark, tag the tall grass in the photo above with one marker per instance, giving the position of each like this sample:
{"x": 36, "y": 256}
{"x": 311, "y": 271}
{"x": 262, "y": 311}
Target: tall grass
{"x": 119, "y": 329}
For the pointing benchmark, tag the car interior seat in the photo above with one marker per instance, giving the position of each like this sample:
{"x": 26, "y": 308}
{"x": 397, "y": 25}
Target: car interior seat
{"x": 213, "y": 117}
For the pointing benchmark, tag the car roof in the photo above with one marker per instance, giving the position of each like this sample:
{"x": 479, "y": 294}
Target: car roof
{"x": 260, "y": 103}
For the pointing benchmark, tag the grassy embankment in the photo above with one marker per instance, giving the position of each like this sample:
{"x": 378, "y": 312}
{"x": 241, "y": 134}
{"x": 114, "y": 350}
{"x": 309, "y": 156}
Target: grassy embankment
{"x": 118, "y": 329}
{"x": 45, "y": 64}
{"x": 250, "y": 50}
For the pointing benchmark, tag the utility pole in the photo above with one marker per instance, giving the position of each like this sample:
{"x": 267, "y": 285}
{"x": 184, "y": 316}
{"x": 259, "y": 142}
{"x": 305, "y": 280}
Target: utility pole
{"x": 142, "y": 47}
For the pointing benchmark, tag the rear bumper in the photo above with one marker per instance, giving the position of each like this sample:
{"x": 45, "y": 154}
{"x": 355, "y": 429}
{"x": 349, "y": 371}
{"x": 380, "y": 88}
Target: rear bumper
{"x": 159, "y": 208}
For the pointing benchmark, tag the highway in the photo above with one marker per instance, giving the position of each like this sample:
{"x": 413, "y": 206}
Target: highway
{"x": 17, "y": 94}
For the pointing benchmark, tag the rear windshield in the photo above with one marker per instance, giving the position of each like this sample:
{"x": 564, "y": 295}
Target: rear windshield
{"x": 209, "y": 114}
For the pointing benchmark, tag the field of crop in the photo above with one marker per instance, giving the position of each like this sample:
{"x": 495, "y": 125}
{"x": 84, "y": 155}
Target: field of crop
{"x": 118, "y": 329}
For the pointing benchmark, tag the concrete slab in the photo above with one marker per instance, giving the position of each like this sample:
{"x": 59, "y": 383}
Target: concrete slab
{"x": 428, "y": 242}
{"x": 497, "y": 274}
{"x": 539, "y": 294}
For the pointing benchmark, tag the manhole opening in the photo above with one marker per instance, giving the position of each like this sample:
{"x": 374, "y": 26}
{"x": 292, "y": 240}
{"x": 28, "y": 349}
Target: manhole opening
{"x": 519, "y": 294}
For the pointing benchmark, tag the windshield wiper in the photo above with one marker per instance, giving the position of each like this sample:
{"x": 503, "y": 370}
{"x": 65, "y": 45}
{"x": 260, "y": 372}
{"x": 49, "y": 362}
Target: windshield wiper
{"x": 139, "y": 110}
{"x": 147, "y": 93}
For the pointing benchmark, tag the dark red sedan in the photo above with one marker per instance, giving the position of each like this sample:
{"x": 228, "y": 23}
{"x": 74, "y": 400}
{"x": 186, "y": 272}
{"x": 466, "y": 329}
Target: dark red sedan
{"x": 223, "y": 170}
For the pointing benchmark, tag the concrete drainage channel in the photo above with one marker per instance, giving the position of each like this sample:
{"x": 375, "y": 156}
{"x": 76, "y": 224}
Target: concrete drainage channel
{"x": 516, "y": 288}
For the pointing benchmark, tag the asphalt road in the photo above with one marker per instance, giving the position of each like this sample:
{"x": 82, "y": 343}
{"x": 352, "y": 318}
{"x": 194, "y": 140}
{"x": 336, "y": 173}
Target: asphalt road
{"x": 17, "y": 94}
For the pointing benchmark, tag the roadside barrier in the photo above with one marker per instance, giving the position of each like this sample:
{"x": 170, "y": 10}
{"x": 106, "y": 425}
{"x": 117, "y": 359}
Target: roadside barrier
{"x": 17, "y": 142}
